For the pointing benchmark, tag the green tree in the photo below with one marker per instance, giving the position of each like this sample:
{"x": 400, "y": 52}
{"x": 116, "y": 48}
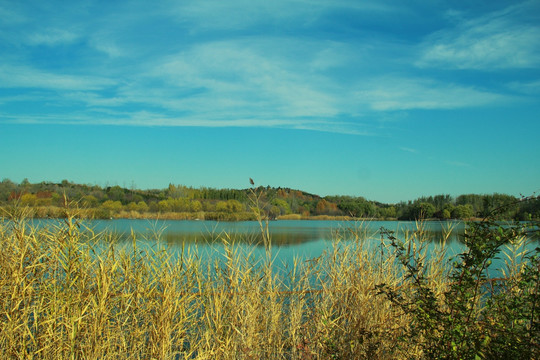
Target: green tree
{"x": 235, "y": 206}
{"x": 89, "y": 201}
{"x": 179, "y": 204}
{"x": 154, "y": 206}
{"x": 462, "y": 212}
{"x": 116, "y": 193}
{"x": 142, "y": 206}
{"x": 282, "y": 206}
{"x": 6, "y": 188}
{"x": 132, "y": 206}
{"x": 195, "y": 206}
{"x": 388, "y": 212}
{"x": 529, "y": 208}
{"x": 164, "y": 206}
{"x": 221, "y": 206}
{"x": 112, "y": 205}
{"x": 422, "y": 210}
{"x": 446, "y": 214}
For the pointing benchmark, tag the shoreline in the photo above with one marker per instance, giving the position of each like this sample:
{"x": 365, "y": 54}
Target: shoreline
{"x": 55, "y": 212}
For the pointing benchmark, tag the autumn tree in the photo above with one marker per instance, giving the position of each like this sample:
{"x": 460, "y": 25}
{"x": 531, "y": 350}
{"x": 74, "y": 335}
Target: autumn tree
{"x": 28, "y": 199}
{"x": 89, "y": 201}
{"x": 222, "y": 206}
{"x": 195, "y": 206}
{"x": 282, "y": 206}
{"x": 112, "y": 205}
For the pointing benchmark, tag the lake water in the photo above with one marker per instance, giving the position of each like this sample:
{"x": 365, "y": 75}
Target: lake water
{"x": 306, "y": 238}
{"x": 300, "y": 239}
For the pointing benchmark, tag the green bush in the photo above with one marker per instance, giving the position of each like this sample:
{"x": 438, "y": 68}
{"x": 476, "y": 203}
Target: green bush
{"x": 476, "y": 317}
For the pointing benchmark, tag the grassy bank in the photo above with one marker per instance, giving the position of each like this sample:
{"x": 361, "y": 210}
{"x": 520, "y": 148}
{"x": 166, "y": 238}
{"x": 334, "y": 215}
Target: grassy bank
{"x": 55, "y": 212}
{"x": 70, "y": 293}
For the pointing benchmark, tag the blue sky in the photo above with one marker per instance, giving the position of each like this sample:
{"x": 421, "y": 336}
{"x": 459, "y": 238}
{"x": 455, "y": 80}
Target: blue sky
{"x": 389, "y": 100}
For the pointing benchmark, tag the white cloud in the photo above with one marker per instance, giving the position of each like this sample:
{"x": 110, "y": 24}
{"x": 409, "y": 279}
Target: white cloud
{"x": 10, "y": 16}
{"x": 52, "y": 37}
{"x": 153, "y": 65}
{"x": 241, "y": 14}
{"x": 409, "y": 150}
{"x": 232, "y": 77}
{"x": 107, "y": 46}
{"x": 27, "y": 77}
{"x": 494, "y": 41}
{"x": 145, "y": 118}
{"x": 528, "y": 88}
{"x": 395, "y": 93}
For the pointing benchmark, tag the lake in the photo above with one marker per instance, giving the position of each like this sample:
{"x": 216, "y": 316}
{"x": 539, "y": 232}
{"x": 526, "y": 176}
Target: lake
{"x": 305, "y": 238}
{"x": 300, "y": 239}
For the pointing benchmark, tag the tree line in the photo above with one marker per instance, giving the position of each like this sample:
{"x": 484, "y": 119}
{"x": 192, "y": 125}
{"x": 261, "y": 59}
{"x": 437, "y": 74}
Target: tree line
{"x": 46, "y": 199}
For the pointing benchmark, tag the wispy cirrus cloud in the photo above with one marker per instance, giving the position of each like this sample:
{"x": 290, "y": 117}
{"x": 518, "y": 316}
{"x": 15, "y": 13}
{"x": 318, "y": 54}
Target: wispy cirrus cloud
{"x": 232, "y": 76}
{"x": 20, "y": 76}
{"x": 52, "y": 37}
{"x": 391, "y": 93}
{"x": 107, "y": 46}
{"x": 496, "y": 40}
{"x": 11, "y": 16}
{"x": 409, "y": 150}
{"x": 526, "y": 87}
{"x": 242, "y": 14}
{"x": 297, "y": 64}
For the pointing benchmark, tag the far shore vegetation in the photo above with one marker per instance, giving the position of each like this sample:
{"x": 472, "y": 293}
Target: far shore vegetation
{"x": 178, "y": 202}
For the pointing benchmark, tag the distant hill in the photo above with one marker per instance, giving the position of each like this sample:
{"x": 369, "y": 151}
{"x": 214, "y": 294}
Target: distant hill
{"x": 47, "y": 199}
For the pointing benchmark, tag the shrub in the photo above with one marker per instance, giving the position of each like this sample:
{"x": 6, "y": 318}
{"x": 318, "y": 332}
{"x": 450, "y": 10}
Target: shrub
{"x": 476, "y": 316}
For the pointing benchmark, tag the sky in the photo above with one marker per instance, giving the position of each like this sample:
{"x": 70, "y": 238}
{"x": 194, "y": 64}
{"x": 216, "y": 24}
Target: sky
{"x": 389, "y": 100}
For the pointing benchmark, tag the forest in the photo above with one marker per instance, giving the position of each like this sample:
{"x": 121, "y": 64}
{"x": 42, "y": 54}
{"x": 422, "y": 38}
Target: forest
{"x": 49, "y": 199}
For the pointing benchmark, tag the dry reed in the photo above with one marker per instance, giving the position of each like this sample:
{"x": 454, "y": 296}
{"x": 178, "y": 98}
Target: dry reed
{"x": 69, "y": 293}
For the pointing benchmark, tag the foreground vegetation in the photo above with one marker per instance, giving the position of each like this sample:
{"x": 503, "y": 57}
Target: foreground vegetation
{"x": 69, "y": 293}
{"x": 181, "y": 202}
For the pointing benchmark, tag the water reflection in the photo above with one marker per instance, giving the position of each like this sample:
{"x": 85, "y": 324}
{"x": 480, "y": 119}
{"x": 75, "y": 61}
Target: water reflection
{"x": 278, "y": 239}
{"x": 291, "y": 239}
{"x": 283, "y": 232}
{"x": 297, "y": 234}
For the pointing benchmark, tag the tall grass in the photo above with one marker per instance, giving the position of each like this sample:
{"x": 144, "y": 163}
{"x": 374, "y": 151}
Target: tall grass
{"x": 69, "y": 293}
